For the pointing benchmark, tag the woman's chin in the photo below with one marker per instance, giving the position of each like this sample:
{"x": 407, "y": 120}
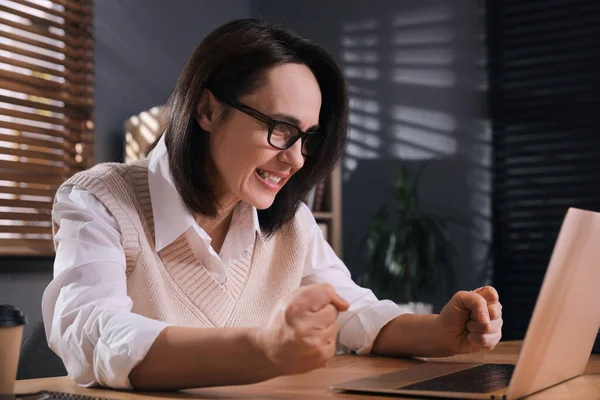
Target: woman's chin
{"x": 261, "y": 202}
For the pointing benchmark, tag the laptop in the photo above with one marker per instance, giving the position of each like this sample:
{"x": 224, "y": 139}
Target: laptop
{"x": 558, "y": 342}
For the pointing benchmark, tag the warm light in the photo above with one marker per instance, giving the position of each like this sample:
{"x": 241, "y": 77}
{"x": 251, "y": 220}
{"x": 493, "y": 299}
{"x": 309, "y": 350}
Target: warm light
{"x": 135, "y": 120}
{"x": 147, "y": 134}
{"x": 150, "y": 121}
{"x": 131, "y": 156}
{"x": 135, "y": 146}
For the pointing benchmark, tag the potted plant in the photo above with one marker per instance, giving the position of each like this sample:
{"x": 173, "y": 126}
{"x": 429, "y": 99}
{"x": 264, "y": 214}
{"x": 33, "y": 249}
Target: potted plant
{"x": 409, "y": 258}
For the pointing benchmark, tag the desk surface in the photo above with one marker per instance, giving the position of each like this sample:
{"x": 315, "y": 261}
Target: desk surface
{"x": 315, "y": 385}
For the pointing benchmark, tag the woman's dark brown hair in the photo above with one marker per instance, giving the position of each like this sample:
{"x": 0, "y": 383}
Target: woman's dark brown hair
{"x": 230, "y": 62}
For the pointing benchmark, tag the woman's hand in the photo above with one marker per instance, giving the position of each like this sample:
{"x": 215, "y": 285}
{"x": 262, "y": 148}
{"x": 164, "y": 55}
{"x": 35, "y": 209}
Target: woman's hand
{"x": 471, "y": 321}
{"x": 300, "y": 334}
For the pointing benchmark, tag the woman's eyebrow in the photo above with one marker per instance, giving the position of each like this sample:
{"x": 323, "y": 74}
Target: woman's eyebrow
{"x": 292, "y": 120}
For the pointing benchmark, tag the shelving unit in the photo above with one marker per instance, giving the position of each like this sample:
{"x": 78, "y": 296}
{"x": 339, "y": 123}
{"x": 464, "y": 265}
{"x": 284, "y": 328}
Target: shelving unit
{"x": 143, "y": 128}
{"x": 329, "y": 215}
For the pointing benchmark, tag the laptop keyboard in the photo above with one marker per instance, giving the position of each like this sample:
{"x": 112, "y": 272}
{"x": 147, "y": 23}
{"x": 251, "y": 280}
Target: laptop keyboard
{"x": 481, "y": 379}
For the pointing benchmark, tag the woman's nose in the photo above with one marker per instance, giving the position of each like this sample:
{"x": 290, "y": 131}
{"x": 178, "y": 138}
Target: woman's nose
{"x": 293, "y": 155}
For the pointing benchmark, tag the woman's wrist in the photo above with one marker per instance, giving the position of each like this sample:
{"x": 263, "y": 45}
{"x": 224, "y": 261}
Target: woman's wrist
{"x": 412, "y": 335}
{"x": 267, "y": 368}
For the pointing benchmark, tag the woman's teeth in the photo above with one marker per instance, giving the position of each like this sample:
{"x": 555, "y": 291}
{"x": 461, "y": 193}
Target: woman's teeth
{"x": 268, "y": 177}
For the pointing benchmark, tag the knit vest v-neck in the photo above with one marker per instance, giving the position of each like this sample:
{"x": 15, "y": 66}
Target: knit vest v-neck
{"x": 172, "y": 285}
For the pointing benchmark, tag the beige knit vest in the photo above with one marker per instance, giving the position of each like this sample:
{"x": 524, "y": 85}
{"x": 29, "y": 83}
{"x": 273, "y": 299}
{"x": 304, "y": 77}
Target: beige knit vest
{"x": 172, "y": 285}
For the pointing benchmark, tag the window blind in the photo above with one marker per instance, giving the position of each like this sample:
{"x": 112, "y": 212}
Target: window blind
{"x": 544, "y": 96}
{"x": 46, "y": 102}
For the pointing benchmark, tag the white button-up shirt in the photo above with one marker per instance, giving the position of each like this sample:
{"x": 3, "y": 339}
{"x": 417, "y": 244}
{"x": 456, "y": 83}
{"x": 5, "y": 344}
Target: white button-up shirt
{"x": 86, "y": 309}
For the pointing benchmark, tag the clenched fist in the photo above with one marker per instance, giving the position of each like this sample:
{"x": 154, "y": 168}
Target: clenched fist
{"x": 300, "y": 334}
{"x": 471, "y": 321}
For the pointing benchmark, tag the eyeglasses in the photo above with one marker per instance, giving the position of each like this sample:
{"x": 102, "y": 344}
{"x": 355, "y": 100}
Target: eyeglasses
{"x": 282, "y": 134}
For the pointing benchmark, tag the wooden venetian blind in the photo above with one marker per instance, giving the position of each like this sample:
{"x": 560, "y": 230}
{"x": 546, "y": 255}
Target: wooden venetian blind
{"x": 544, "y": 64}
{"x": 46, "y": 100}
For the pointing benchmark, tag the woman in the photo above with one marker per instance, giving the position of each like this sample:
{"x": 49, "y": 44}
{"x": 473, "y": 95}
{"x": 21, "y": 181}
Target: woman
{"x": 200, "y": 266}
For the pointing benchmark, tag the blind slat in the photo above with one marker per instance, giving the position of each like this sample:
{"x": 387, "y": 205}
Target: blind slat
{"x": 16, "y": 216}
{"x": 21, "y": 177}
{"x": 37, "y": 30}
{"x": 26, "y": 229}
{"x": 67, "y": 15}
{"x": 30, "y": 116}
{"x": 33, "y": 18}
{"x": 34, "y": 247}
{"x": 84, "y": 67}
{"x": 32, "y": 129}
{"x": 33, "y": 67}
{"x": 38, "y": 205}
{"x": 46, "y": 78}
{"x": 50, "y": 144}
{"x": 30, "y": 54}
{"x": 6, "y": 82}
{"x": 34, "y": 42}
{"x": 42, "y": 170}
{"x": 31, "y": 191}
{"x": 81, "y": 7}
{"x": 32, "y": 154}
{"x": 80, "y": 54}
{"x": 31, "y": 103}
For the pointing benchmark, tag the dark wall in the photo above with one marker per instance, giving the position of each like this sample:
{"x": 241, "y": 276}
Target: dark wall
{"x": 546, "y": 146}
{"x": 416, "y": 73}
{"x": 22, "y": 283}
{"x": 140, "y": 48}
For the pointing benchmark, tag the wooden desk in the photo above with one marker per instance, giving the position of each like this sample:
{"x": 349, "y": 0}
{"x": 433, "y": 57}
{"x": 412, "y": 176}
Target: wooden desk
{"x": 315, "y": 385}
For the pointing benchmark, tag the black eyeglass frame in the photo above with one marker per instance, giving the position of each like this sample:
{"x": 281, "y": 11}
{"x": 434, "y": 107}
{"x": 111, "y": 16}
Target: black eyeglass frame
{"x": 272, "y": 123}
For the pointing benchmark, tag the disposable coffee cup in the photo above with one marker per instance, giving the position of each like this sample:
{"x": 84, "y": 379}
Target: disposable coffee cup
{"x": 11, "y": 334}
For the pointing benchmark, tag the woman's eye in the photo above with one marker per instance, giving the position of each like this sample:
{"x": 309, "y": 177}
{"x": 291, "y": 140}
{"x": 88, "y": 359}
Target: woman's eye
{"x": 284, "y": 131}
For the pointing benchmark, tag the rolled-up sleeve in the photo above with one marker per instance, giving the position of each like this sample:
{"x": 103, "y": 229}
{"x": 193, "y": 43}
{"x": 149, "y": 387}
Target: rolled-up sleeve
{"x": 367, "y": 315}
{"x": 86, "y": 310}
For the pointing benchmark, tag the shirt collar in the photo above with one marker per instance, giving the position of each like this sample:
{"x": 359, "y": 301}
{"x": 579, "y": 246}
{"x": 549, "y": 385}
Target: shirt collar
{"x": 171, "y": 216}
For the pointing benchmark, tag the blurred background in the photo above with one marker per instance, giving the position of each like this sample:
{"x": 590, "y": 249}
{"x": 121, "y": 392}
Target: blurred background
{"x": 473, "y": 127}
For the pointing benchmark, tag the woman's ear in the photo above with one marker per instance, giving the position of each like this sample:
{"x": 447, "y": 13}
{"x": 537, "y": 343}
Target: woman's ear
{"x": 208, "y": 111}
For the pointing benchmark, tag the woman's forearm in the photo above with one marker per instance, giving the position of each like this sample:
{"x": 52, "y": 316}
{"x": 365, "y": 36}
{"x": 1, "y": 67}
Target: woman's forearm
{"x": 183, "y": 358}
{"x": 411, "y": 335}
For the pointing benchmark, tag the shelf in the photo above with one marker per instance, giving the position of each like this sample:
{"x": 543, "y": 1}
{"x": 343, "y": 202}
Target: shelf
{"x": 330, "y": 216}
{"x": 323, "y": 215}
